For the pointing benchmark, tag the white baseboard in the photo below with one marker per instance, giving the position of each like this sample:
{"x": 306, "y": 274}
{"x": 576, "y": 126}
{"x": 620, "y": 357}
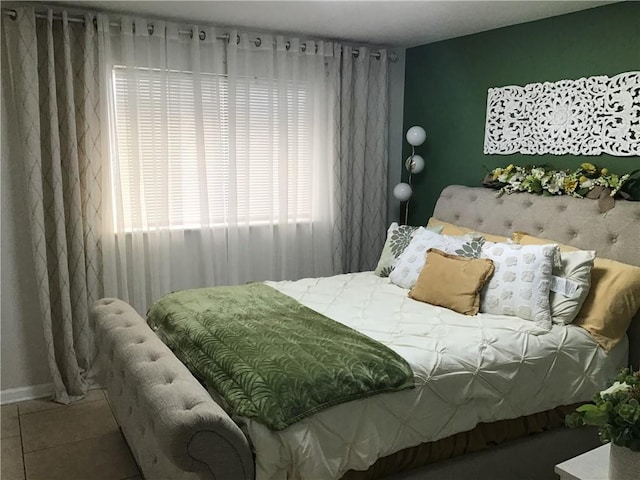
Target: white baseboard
{"x": 20, "y": 394}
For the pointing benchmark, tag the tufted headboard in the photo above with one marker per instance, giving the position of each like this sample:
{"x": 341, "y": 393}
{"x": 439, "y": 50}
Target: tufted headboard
{"x": 573, "y": 221}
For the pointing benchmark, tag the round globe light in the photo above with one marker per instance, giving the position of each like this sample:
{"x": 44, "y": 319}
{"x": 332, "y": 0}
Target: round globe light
{"x": 415, "y": 164}
{"x": 416, "y": 136}
{"x": 402, "y": 192}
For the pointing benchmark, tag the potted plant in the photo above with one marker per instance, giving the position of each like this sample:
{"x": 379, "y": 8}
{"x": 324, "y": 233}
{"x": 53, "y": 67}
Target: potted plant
{"x": 616, "y": 411}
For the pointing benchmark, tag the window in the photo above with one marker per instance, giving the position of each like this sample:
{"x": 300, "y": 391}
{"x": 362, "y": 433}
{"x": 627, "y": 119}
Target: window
{"x": 184, "y": 161}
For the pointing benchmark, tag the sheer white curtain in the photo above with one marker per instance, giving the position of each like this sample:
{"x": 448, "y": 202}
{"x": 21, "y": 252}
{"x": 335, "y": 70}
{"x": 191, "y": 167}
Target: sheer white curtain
{"x": 222, "y": 153}
{"x": 159, "y": 157}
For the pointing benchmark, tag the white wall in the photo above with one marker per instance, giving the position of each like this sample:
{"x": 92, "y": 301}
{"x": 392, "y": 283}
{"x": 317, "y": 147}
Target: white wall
{"x": 396, "y": 132}
{"x": 23, "y": 361}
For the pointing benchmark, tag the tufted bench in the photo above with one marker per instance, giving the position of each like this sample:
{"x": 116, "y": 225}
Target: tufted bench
{"x": 171, "y": 423}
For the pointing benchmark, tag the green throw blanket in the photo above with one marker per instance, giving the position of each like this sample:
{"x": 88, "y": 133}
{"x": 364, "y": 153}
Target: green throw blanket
{"x": 273, "y": 359}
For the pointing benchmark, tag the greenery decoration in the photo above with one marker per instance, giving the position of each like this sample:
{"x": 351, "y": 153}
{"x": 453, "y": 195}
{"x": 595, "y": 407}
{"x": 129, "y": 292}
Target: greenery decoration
{"x": 586, "y": 181}
{"x": 615, "y": 410}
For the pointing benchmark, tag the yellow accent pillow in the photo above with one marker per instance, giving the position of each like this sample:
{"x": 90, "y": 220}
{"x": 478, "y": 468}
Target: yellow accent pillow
{"x": 524, "y": 238}
{"x": 452, "y": 282}
{"x": 455, "y": 230}
{"x": 613, "y": 300}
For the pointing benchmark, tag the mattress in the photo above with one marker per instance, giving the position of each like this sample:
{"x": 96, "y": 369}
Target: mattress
{"x": 467, "y": 370}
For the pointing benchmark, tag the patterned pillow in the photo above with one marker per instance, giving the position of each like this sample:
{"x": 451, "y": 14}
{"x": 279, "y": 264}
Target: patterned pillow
{"x": 410, "y": 263}
{"x": 521, "y": 282}
{"x": 398, "y": 238}
{"x": 471, "y": 248}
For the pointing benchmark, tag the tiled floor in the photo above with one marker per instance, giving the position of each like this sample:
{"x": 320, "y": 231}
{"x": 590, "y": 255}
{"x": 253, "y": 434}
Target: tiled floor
{"x": 43, "y": 440}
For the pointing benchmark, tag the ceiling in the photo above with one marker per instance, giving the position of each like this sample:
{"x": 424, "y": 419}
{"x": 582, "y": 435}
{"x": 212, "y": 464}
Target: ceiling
{"x": 392, "y": 23}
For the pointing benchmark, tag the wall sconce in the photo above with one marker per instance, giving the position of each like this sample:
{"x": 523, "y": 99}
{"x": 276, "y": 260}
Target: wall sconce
{"x": 414, "y": 164}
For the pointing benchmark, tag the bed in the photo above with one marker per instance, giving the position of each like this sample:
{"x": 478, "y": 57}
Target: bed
{"x": 176, "y": 429}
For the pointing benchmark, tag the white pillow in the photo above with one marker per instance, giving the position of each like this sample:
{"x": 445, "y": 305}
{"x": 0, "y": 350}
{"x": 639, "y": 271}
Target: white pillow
{"x": 410, "y": 263}
{"x": 521, "y": 281}
{"x": 574, "y": 284}
{"x": 398, "y": 238}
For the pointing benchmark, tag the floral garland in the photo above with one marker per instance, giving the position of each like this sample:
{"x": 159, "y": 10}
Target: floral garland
{"x": 542, "y": 180}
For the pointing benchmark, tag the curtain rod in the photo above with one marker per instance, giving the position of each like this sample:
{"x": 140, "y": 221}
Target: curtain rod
{"x": 13, "y": 14}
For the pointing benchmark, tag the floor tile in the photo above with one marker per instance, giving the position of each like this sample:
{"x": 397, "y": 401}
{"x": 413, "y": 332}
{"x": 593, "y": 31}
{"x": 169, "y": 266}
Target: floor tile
{"x": 9, "y": 410}
{"x": 11, "y": 467}
{"x": 10, "y": 425}
{"x": 106, "y": 457}
{"x": 41, "y": 404}
{"x": 50, "y": 428}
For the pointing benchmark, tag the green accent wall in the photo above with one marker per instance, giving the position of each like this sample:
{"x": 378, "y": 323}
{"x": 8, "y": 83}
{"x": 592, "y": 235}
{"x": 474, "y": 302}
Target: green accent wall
{"x": 446, "y": 87}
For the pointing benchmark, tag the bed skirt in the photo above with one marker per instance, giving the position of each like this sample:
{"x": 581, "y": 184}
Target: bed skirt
{"x": 484, "y": 436}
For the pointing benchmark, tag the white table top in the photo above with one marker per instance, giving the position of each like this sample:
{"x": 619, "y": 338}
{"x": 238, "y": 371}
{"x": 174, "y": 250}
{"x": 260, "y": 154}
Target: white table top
{"x": 593, "y": 465}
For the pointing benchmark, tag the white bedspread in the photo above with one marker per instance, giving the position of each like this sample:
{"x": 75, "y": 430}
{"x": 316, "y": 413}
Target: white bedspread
{"x": 467, "y": 370}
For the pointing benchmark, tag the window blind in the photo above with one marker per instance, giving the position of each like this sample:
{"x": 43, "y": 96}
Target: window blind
{"x": 226, "y": 163}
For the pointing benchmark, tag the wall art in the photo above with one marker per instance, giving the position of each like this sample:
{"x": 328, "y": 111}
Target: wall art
{"x": 588, "y": 116}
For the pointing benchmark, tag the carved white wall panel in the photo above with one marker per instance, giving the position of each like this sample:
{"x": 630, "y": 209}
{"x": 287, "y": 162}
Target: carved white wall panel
{"x": 588, "y": 116}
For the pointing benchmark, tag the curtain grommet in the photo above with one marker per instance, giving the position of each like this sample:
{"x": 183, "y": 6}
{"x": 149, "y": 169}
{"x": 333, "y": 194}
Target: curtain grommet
{"x": 258, "y": 42}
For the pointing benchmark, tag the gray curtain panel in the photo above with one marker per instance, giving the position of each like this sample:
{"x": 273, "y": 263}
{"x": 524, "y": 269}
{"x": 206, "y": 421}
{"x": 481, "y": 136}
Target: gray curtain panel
{"x": 361, "y": 166}
{"x": 53, "y": 72}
